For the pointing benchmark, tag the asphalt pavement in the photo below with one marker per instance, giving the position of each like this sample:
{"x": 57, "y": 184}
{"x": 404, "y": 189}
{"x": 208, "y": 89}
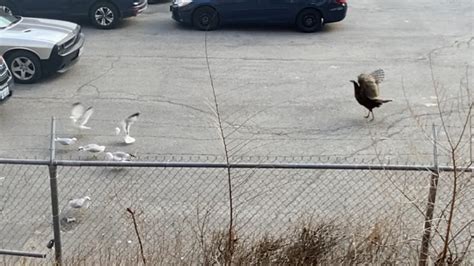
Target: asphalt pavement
{"x": 282, "y": 95}
{"x": 280, "y": 92}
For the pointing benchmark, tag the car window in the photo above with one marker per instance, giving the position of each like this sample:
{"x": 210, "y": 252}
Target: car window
{"x": 7, "y": 20}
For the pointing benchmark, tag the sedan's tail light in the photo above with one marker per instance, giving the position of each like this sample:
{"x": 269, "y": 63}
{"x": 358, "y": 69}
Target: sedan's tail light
{"x": 341, "y": 1}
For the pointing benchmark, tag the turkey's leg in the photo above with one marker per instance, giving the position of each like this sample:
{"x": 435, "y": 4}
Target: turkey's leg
{"x": 367, "y": 116}
{"x": 373, "y": 116}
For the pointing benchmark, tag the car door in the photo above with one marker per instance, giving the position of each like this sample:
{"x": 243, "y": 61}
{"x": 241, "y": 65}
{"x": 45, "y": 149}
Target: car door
{"x": 238, "y": 10}
{"x": 280, "y": 10}
{"x": 43, "y": 8}
{"x": 79, "y": 7}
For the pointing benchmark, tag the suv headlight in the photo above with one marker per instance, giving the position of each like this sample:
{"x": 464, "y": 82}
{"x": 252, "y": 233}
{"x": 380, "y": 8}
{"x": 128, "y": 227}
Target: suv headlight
{"x": 61, "y": 49}
{"x": 182, "y": 2}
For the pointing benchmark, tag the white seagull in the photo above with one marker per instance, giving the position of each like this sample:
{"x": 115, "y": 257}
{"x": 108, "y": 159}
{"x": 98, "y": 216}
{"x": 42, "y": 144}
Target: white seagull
{"x": 80, "y": 202}
{"x": 66, "y": 141}
{"x": 119, "y": 156}
{"x": 125, "y": 127}
{"x": 80, "y": 115}
{"x": 92, "y": 148}
{"x": 73, "y": 213}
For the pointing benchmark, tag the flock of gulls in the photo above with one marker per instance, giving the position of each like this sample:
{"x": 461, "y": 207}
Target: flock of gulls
{"x": 73, "y": 212}
{"x": 80, "y": 116}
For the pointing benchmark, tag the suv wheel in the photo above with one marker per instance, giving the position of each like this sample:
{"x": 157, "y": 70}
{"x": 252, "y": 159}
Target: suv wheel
{"x": 309, "y": 20}
{"x": 25, "y": 66}
{"x": 205, "y": 18}
{"x": 104, "y": 15}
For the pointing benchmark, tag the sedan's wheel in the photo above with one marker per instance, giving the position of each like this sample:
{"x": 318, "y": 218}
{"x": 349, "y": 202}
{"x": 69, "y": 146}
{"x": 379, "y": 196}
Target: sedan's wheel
{"x": 104, "y": 15}
{"x": 309, "y": 20}
{"x": 25, "y": 66}
{"x": 205, "y": 18}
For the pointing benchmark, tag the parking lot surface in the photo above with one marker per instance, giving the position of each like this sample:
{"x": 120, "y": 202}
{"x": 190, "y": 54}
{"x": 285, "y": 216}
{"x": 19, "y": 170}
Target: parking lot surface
{"x": 282, "y": 95}
{"x": 280, "y": 92}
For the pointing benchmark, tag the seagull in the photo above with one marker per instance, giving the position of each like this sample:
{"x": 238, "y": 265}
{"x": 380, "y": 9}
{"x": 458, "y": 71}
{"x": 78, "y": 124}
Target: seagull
{"x": 66, "y": 141}
{"x": 119, "y": 156}
{"x": 93, "y": 148}
{"x": 80, "y": 115}
{"x": 73, "y": 214}
{"x": 80, "y": 202}
{"x": 125, "y": 127}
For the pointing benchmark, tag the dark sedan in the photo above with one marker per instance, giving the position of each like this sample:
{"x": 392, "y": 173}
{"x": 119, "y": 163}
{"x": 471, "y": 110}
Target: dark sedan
{"x": 104, "y": 14}
{"x": 307, "y": 15}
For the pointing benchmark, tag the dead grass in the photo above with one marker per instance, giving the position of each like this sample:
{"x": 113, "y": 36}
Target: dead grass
{"x": 304, "y": 244}
{"x": 317, "y": 244}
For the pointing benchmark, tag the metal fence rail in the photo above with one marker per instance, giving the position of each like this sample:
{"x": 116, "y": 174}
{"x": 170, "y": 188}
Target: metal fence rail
{"x": 309, "y": 166}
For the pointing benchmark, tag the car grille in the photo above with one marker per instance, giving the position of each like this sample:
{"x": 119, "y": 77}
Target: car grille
{"x": 4, "y": 74}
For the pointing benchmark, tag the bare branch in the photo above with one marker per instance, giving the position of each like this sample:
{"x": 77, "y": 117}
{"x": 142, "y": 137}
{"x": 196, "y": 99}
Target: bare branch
{"x": 230, "y": 246}
{"x": 438, "y": 105}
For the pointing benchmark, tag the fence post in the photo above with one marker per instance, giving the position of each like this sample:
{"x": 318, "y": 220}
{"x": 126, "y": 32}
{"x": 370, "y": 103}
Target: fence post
{"x": 54, "y": 194}
{"x": 425, "y": 242}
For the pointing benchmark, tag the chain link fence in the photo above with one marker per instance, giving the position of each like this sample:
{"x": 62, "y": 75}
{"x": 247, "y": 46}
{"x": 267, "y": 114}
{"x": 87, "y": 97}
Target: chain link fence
{"x": 182, "y": 209}
{"x": 25, "y": 207}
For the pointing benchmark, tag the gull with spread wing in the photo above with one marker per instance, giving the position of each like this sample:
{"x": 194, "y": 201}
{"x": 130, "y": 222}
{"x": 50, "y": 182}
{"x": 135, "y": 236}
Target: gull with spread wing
{"x": 80, "y": 116}
{"x": 125, "y": 127}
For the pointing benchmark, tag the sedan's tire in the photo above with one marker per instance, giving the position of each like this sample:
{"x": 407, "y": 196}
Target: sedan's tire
{"x": 309, "y": 20}
{"x": 104, "y": 15}
{"x": 25, "y": 66}
{"x": 205, "y": 18}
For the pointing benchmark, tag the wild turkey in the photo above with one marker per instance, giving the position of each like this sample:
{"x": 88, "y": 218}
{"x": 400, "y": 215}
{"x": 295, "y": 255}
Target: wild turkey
{"x": 366, "y": 90}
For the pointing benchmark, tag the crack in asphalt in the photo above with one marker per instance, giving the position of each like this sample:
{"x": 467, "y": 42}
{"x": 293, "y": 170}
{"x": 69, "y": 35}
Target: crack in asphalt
{"x": 454, "y": 44}
{"x": 142, "y": 99}
{"x": 89, "y": 83}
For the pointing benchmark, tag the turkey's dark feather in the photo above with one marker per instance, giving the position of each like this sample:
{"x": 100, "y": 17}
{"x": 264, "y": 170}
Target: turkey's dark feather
{"x": 362, "y": 99}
